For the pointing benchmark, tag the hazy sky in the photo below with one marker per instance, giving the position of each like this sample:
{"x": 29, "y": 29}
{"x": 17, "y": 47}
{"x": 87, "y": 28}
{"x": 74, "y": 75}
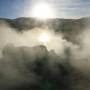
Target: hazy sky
{"x": 63, "y": 8}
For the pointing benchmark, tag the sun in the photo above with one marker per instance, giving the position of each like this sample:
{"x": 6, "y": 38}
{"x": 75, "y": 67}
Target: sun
{"x": 42, "y": 10}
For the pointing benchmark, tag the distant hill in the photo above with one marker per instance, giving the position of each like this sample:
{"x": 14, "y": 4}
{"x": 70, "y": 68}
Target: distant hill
{"x": 68, "y": 27}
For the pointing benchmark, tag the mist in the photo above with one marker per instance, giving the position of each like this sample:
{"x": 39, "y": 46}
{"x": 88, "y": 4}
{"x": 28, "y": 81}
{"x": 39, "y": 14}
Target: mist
{"x": 9, "y": 35}
{"x": 20, "y": 51}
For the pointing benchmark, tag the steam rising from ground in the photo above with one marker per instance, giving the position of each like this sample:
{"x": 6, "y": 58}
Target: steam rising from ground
{"x": 19, "y": 53}
{"x": 30, "y": 38}
{"x": 81, "y": 55}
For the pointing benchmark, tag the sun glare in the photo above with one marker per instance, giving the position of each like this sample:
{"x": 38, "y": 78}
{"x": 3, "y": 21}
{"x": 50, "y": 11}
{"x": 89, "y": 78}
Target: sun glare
{"x": 42, "y": 10}
{"x": 44, "y": 37}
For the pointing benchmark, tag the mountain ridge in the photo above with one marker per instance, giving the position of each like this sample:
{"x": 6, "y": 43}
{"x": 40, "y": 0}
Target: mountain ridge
{"x": 68, "y": 27}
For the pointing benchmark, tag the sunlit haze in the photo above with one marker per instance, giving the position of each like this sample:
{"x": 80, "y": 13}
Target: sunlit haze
{"x": 44, "y": 37}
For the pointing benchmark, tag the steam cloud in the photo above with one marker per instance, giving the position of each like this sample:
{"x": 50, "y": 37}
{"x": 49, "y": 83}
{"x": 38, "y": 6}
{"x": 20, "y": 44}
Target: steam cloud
{"x": 26, "y": 63}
